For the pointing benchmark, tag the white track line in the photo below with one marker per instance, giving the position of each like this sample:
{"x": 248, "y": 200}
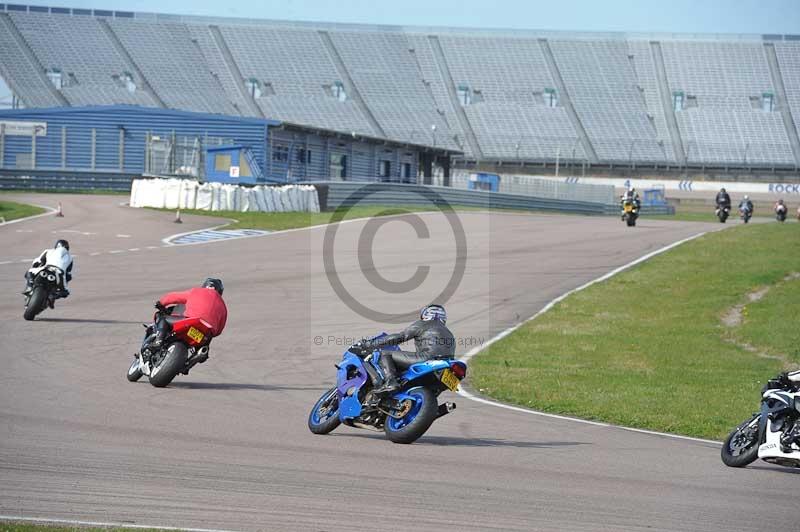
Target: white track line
{"x": 474, "y": 351}
{"x": 102, "y": 524}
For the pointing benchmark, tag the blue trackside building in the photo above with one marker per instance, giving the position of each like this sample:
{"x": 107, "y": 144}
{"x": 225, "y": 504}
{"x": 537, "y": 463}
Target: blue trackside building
{"x": 131, "y": 140}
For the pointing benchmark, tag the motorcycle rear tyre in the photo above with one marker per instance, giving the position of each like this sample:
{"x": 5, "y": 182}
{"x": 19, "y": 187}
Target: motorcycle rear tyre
{"x": 170, "y": 366}
{"x": 423, "y": 420}
{"x": 35, "y": 303}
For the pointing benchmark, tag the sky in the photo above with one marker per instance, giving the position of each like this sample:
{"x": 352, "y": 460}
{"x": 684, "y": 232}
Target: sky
{"x": 671, "y": 16}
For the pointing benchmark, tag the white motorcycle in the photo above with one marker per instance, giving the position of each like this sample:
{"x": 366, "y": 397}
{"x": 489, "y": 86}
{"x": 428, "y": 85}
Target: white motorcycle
{"x": 773, "y": 434}
{"x": 47, "y": 285}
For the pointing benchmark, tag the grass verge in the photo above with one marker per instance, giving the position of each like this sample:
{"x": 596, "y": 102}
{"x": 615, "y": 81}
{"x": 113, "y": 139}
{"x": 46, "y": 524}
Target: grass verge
{"x": 276, "y": 221}
{"x": 10, "y": 210}
{"x": 648, "y": 348}
{"x": 29, "y": 527}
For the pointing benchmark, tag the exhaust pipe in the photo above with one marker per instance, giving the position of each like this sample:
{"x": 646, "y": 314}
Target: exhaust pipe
{"x": 445, "y": 408}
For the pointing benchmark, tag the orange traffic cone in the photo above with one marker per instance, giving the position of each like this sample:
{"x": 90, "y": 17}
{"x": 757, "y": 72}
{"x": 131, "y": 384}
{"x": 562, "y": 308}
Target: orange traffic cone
{"x": 60, "y": 212}
{"x": 178, "y": 217}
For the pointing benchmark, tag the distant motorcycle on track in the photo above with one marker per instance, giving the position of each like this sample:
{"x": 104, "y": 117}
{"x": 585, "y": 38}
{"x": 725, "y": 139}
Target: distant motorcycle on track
{"x": 723, "y": 211}
{"x": 773, "y": 434}
{"x": 404, "y": 416}
{"x": 630, "y": 210}
{"x": 780, "y": 212}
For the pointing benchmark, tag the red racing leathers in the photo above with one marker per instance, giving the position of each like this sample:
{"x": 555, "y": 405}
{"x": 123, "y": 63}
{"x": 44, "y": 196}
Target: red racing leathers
{"x": 203, "y": 303}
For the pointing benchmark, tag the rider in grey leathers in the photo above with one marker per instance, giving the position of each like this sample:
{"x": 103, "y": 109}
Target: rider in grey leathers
{"x": 432, "y": 339}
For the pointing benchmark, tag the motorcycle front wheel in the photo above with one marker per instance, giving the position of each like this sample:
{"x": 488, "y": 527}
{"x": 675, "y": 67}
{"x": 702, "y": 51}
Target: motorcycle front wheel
{"x": 324, "y": 417}
{"x": 35, "y": 303}
{"x": 134, "y": 372}
{"x": 172, "y": 362}
{"x": 741, "y": 446}
{"x": 416, "y": 421}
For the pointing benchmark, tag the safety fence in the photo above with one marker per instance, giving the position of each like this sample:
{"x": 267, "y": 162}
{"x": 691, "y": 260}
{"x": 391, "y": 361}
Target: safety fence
{"x": 65, "y": 182}
{"x": 333, "y": 195}
{"x": 543, "y": 188}
{"x": 188, "y": 194}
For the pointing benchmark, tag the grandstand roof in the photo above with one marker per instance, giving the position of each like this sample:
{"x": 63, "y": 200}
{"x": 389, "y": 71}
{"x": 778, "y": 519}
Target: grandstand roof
{"x": 504, "y": 32}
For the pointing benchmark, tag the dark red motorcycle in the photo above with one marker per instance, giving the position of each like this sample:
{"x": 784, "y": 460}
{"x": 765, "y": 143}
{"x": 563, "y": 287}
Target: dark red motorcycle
{"x": 185, "y": 346}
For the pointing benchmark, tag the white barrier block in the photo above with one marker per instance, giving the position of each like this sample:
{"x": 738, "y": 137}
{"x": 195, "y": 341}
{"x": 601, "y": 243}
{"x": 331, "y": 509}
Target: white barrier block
{"x": 261, "y": 200}
{"x": 269, "y": 198}
{"x": 171, "y": 192}
{"x": 189, "y": 195}
{"x": 216, "y": 196}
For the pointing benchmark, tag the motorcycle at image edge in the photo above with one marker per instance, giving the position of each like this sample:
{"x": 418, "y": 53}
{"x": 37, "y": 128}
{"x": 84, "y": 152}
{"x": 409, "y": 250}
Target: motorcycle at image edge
{"x": 184, "y": 347}
{"x": 745, "y": 214}
{"x": 723, "y": 213}
{"x": 405, "y": 415}
{"x": 46, "y": 285}
{"x": 760, "y": 436}
{"x": 780, "y": 213}
{"x": 630, "y": 213}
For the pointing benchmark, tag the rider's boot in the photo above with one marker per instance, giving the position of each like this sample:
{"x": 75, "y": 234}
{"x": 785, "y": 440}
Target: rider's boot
{"x": 390, "y": 382}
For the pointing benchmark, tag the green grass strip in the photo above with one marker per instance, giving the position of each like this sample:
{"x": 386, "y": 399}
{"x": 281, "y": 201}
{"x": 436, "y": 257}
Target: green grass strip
{"x": 29, "y": 527}
{"x": 276, "y": 221}
{"x": 648, "y": 347}
{"x": 10, "y": 210}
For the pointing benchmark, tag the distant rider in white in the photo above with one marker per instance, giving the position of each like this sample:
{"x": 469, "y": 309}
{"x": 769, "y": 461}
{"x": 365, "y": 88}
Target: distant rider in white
{"x": 59, "y": 257}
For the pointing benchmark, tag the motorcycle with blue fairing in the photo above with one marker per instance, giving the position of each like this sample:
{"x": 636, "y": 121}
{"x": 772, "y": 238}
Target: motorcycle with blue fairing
{"x": 404, "y": 415}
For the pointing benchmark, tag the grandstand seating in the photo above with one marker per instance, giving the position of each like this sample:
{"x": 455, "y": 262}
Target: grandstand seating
{"x": 789, "y": 60}
{"x": 298, "y": 68}
{"x": 511, "y": 75}
{"x": 389, "y": 80}
{"x": 602, "y": 84}
{"x": 487, "y": 93}
{"x": 86, "y": 57}
{"x": 724, "y": 127}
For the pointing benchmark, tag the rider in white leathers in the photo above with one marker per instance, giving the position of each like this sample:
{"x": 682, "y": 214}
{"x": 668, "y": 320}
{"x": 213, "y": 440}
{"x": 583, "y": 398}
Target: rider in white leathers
{"x": 57, "y": 256}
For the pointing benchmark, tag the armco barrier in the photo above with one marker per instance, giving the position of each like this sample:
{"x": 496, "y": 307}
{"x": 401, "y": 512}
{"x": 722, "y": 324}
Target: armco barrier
{"x": 339, "y": 194}
{"x": 66, "y": 182}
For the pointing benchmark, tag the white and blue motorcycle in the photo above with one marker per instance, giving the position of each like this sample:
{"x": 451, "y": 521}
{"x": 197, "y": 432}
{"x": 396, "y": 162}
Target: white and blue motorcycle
{"x": 772, "y": 434}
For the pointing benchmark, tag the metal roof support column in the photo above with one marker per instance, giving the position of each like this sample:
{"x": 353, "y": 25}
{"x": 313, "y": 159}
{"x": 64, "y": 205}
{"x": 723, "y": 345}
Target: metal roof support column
{"x": 121, "y": 157}
{"x": 94, "y": 148}
{"x": 63, "y": 147}
{"x": 33, "y": 149}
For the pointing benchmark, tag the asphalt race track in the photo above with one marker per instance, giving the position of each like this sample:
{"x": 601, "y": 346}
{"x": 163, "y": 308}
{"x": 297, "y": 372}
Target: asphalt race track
{"x": 227, "y": 446}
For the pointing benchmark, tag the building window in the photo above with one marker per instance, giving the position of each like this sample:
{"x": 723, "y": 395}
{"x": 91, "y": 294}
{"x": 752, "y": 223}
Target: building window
{"x": 405, "y": 172}
{"x": 253, "y": 87}
{"x": 280, "y": 154}
{"x": 677, "y": 101}
{"x": 54, "y": 75}
{"x": 551, "y": 97}
{"x": 767, "y": 102}
{"x": 464, "y": 95}
{"x": 222, "y": 162}
{"x": 303, "y": 156}
{"x": 244, "y": 166}
{"x": 338, "y": 166}
{"x": 338, "y": 92}
{"x": 385, "y": 169}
